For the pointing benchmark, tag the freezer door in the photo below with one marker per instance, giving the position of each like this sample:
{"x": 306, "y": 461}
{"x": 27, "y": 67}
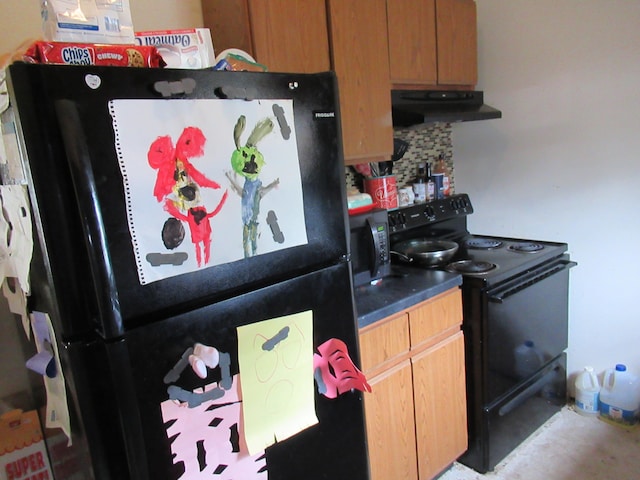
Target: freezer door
{"x": 202, "y": 434}
{"x": 110, "y": 213}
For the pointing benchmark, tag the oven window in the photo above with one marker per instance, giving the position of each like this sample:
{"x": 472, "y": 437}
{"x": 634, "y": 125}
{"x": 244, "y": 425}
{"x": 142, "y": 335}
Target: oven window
{"x": 526, "y": 327}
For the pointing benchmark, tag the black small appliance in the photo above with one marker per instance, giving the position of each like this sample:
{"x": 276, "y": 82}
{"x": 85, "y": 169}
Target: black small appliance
{"x": 369, "y": 237}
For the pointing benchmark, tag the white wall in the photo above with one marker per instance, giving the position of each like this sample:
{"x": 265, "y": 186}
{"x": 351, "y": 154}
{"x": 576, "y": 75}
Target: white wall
{"x": 563, "y": 163}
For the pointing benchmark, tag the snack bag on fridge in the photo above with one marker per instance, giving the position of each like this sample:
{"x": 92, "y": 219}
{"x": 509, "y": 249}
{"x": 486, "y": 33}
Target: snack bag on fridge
{"x": 87, "y": 21}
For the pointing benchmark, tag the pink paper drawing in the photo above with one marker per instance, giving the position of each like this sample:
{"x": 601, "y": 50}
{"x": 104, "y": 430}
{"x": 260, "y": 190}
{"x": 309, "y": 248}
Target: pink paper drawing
{"x": 335, "y": 372}
{"x": 209, "y": 438}
{"x": 178, "y": 185}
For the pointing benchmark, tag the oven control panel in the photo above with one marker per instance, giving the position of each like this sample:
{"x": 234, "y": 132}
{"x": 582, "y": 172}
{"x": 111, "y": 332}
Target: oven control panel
{"x": 406, "y": 218}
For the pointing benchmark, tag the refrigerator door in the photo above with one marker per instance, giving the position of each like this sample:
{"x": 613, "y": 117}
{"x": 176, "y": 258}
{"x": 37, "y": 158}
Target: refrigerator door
{"x": 109, "y": 215}
{"x": 203, "y": 433}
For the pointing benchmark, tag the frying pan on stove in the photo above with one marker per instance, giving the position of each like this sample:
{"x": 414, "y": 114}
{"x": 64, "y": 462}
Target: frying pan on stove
{"x": 425, "y": 251}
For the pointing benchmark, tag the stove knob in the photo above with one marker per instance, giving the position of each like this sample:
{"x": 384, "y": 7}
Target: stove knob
{"x": 392, "y": 220}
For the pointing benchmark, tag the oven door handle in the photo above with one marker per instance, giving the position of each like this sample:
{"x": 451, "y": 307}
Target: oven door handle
{"x": 527, "y": 393}
{"x": 501, "y": 294}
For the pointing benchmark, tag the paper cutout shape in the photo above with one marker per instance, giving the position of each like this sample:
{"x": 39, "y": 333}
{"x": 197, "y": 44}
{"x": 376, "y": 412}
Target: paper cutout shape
{"x": 43, "y": 363}
{"x": 335, "y": 372}
{"x": 209, "y": 126}
{"x": 200, "y": 357}
{"x": 17, "y": 301}
{"x": 57, "y": 408}
{"x": 204, "y": 357}
{"x": 16, "y": 235}
{"x": 277, "y": 381}
{"x": 207, "y": 439}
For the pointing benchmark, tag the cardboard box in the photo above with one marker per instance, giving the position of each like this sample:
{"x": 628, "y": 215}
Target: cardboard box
{"x": 187, "y": 48}
{"x": 23, "y": 455}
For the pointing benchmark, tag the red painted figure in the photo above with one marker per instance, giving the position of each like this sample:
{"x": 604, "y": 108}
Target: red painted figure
{"x": 178, "y": 184}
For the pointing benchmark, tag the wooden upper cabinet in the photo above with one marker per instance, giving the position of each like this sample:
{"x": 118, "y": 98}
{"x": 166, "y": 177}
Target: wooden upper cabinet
{"x": 228, "y": 21}
{"x": 457, "y": 42}
{"x": 283, "y": 35}
{"x": 412, "y": 41}
{"x": 433, "y": 43}
{"x": 360, "y": 58}
{"x": 290, "y": 35}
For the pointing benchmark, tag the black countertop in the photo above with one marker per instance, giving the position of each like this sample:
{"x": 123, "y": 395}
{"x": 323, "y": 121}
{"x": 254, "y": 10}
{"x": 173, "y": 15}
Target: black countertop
{"x": 405, "y": 287}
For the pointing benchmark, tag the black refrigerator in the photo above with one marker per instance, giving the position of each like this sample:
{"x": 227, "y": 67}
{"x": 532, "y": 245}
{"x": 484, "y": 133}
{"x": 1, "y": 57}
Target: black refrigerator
{"x": 191, "y": 255}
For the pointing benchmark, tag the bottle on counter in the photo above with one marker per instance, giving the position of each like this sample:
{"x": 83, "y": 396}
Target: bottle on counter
{"x": 431, "y": 186}
{"x": 441, "y": 167}
{"x": 419, "y": 185}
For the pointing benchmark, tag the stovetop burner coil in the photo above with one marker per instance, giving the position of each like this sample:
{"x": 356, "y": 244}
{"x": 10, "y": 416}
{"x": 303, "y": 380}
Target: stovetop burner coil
{"x": 526, "y": 247}
{"x": 471, "y": 267}
{"x": 483, "y": 243}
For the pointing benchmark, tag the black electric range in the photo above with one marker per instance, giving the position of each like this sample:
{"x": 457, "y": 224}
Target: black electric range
{"x": 485, "y": 258}
{"x": 515, "y": 307}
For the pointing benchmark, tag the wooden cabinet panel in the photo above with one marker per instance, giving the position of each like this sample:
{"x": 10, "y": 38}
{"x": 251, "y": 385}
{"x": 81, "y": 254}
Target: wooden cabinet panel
{"x": 411, "y": 27}
{"x": 390, "y": 425}
{"x": 384, "y": 342}
{"x": 435, "y": 316}
{"x": 432, "y": 43}
{"x": 283, "y": 35}
{"x": 228, "y": 21}
{"x": 457, "y": 42}
{"x": 360, "y": 58}
{"x": 440, "y": 405}
{"x": 290, "y": 35}
{"x": 416, "y": 411}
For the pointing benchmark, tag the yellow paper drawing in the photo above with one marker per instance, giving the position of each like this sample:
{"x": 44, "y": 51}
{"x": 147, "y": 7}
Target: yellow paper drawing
{"x": 276, "y": 377}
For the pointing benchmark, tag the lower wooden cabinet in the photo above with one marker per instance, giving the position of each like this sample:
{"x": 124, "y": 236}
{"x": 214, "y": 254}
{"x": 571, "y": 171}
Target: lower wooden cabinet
{"x": 416, "y": 412}
{"x": 389, "y": 417}
{"x": 440, "y": 405}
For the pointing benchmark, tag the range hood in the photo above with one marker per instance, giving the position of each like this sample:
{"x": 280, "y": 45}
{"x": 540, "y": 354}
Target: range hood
{"x": 413, "y": 107}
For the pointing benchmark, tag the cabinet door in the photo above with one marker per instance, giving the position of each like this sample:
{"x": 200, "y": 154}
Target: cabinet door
{"x": 283, "y": 35}
{"x": 411, "y": 26}
{"x": 228, "y": 21}
{"x": 360, "y": 56}
{"x": 457, "y": 42}
{"x": 290, "y": 35}
{"x": 440, "y": 405}
{"x": 390, "y": 425}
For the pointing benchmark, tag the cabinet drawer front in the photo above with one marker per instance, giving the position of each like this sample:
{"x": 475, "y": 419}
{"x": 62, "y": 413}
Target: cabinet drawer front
{"x": 384, "y": 342}
{"x": 435, "y": 316}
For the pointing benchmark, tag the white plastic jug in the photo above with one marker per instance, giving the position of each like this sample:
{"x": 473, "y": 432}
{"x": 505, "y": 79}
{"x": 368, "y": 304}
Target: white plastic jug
{"x": 620, "y": 396}
{"x": 587, "y": 392}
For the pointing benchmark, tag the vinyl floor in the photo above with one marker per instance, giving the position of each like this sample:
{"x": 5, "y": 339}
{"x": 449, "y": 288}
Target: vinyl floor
{"x": 568, "y": 447}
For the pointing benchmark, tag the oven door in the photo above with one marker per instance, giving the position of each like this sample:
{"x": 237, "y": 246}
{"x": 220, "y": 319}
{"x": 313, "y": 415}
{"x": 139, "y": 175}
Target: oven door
{"x": 527, "y": 326}
{"x": 512, "y": 418}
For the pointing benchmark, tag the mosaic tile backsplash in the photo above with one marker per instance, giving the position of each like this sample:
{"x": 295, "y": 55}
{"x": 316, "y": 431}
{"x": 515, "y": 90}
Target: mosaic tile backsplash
{"x": 426, "y": 144}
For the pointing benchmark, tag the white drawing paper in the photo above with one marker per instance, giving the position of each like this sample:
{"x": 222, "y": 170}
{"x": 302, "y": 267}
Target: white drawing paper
{"x": 175, "y": 157}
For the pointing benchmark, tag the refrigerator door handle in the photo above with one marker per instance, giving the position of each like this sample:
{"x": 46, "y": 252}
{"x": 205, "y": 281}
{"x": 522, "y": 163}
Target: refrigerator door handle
{"x": 84, "y": 184}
